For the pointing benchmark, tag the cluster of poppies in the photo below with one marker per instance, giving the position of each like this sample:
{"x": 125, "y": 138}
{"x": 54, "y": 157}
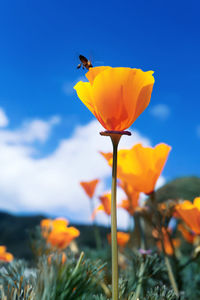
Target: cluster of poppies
{"x": 57, "y": 233}
{"x": 117, "y": 97}
{"x": 138, "y": 171}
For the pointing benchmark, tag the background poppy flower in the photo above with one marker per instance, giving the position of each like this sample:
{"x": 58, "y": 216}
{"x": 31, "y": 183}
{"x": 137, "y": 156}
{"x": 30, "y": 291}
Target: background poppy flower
{"x": 57, "y": 233}
{"x": 89, "y": 187}
{"x": 116, "y": 96}
{"x": 132, "y": 200}
{"x": 187, "y": 234}
{"x": 141, "y": 166}
{"x": 190, "y": 213}
{"x": 62, "y": 238}
{"x": 122, "y": 238}
{"x": 168, "y": 245}
{"x": 104, "y": 206}
{"x": 47, "y": 225}
{"x": 132, "y": 197}
{"x": 125, "y": 204}
{"x": 5, "y": 256}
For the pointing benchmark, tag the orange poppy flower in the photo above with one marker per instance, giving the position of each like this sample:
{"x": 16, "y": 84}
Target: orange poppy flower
{"x": 125, "y": 204}
{"x": 107, "y": 155}
{"x": 190, "y": 213}
{"x": 188, "y": 236}
{"x": 89, "y": 187}
{"x": 61, "y": 239}
{"x": 132, "y": 202}
{"x": 116, "y": 96}
{"x": 57, "y": 233}
{"x": 48, "y": 225}
{"x": 141, "y": 166}
{"x": 5, "y": 256}
{"x": 132, "y": 197}
{"x": 167, "y": 244}
{"x": 104, "y": 206}
{"x": 56, "y": 223}
{"x": 122, "y": 238}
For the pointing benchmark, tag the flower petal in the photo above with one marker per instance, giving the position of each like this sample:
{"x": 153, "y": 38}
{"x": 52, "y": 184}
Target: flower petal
{"x": 93, "y": 72}
{"x": 84, "y": 92}
{"x": 108, "y": 91}
{"x": 89, "y": 187}
{"x": 116, "y": 96}
{"x": 141, "y": 166}
{"x": 144, "y": 82}
{"x": 197, "y": 203}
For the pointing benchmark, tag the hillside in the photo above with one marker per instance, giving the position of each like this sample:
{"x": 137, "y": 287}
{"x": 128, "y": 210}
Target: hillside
{"x": 14, "y": 229}
{"x": 184, "y": 188}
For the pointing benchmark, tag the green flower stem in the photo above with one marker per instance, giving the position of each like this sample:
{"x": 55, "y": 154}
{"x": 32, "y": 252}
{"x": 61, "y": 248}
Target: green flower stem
{"x": 142, "y": 246}
{"x": 78, "y": 263}
{"x": 138, "y": 229}
{"x": 115, "y": 138}
{"x": 171, "y": 275}
{"x": 95, "y": 227}
{"x": 115, "y": 295}
{"x": 139, "y": 286}
{"x": 167, "y": 261}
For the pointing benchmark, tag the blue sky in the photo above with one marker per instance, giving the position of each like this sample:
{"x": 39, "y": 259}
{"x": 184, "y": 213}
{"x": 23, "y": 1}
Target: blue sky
{"x": 40, "y": 43}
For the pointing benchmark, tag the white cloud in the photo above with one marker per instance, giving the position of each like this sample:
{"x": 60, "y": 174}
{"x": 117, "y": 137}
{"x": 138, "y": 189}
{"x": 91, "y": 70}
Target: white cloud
{"x": 51, "y": 184}
{"x": 3, "y": 118}
{"x": 160, "y": 111}
{"x": 31, "y": 131}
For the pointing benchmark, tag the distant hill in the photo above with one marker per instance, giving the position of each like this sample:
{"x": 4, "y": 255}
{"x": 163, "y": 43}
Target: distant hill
{"x": 185, "y": 188}
{"x": 14, "y": 229}
{"x": 14, "y": 233}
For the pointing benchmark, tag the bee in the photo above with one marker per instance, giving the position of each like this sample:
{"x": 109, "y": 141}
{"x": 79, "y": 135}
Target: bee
{"x": 85, "y": 63}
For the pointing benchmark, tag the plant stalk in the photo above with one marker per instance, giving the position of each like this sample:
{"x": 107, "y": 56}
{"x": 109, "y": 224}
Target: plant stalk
{"x": 115, "y": 138}
{"x": 167, "y": 261}
{"x": 142, "y": 266}
{"x": 115, "y": 294}
{"x": 78, "y": 263}
{"x": 95, "y": 227}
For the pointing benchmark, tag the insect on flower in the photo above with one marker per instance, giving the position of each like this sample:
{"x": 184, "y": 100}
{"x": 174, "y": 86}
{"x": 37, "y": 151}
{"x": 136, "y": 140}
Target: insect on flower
{"x": 85, "y": 63}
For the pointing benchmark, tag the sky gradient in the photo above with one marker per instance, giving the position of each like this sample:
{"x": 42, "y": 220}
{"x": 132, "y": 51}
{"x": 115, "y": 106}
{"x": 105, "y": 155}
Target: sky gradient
{"x": 40, "y": 44}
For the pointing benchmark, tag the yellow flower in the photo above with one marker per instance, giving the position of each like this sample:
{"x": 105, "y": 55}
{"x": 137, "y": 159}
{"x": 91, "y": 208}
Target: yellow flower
{"x": 132, "y": 197}
{"x": 190, "y": 213}
{"x": 48, "y": 225}
{"x": 89, "y": 187}
{"x": 141, "y": 166}
{"x": 166, "y": 241}
{"x": 5, "y": 256}
{"x": 116, "y": 96}
{"x": 62, "y": 239}
{"x": 104, "y": 206}
{"x": 57, "y": 233}
{"x": 187, "y": 234}
{"x": 122, "y": 238}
